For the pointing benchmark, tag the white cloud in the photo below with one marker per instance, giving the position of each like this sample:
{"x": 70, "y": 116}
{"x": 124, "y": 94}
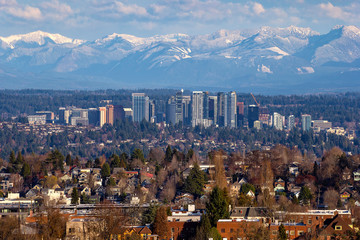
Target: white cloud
{"x": 27, "y": 12}
{"x": 56, "y": 10}
{"x": 132, "y": 9}
{"x": 334, "y": 12}
{"x": 258, "y": 8}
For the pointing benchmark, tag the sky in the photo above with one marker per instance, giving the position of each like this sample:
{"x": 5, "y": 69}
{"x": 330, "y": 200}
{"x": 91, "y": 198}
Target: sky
{"x": 93, "y": 19}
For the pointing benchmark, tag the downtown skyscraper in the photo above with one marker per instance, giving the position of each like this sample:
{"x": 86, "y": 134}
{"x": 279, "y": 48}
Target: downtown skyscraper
{"x": 140, "y": 106}
{"x": 197, "y": 106}
{"x": 179, "y": 109}
{"x": 231, "y": 110}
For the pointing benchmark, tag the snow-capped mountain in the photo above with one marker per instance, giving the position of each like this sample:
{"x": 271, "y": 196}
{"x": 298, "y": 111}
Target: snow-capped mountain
{"x": 266, "y": 60}
{"x": 40, "y": 38}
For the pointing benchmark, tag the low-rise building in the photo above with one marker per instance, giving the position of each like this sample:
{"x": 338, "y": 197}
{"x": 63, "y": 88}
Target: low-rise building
{"x": 237, "y": 228}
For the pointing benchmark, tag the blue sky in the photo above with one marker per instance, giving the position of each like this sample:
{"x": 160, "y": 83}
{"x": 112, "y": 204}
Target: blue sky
{"x": 92, "y": 19}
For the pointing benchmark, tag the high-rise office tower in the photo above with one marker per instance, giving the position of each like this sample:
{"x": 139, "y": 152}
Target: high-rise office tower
{"x": 222, "y": 109}
{"x": 278, "y": 121}
{"x": 128, "y": 114}
{"x": 179, "y": 107}
{"x": 231, "y": 110}
{"x": 213, "y": 109}
{"x": 197, "y": 106}
{"x": 253, "y": 115}
{"x": 171, "y": 111}
{"x": 264, "y": 115}
{"x": 110, "y": 114}
{"x": 187, "y": 110}
{"x": 140, "y": 106}
{"x": 93, "y": 115}
{"x": 102, "y": 116}
{"x": 240, "y": 114}
{"x": 291, "y": 122}
{"x": 306, "y": 122}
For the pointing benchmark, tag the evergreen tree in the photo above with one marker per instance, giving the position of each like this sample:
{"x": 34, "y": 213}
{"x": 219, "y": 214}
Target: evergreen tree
{"x": 282, "y": 233}
{"x": 97, "y": 163}
{"x": 12, "y": 158}
{"x": 214, "y": 234}
{"x": 105, "y": 171}
{"x": 149, "y": 214}
{"x": 115, "y": 162}
{"x": 74, "y": 196}
{"x": 69, "y": 161}
{"x": 25, "y": 170}
{"x": 315, "y": 170}
{"x": 189, "y": 154}
{"x": 194, "y": 183}
{"x": 168, "y": 154}
{"x": 203, "y": 230}
{"x": 61, "y": 164}
{"x": 124, "y": 157}
{"x": 17, "y": 164}
{"x": 19, "y": 158}
{"x": 57, "y": 160}
{"x": 84, "y": 199}
{"x": 161, "y": 226}
{"x": 124, "y": 160}
{"x": 246, "y": 187}
{"x": 305, "y": 195}
{"x": 138, "y": 154}
{"x": 218, "y": 206}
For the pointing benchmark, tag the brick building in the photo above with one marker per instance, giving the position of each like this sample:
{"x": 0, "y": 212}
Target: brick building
{"x": 232, "y": 229}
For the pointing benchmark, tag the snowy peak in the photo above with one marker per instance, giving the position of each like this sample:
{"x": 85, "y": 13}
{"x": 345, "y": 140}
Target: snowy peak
{"x": 350, "y": 31}
{"x": 122, "y": 37}
{"x": 137, "y": 41}
{"x": 39, "y": 38}
{"x": 298, "y": 32}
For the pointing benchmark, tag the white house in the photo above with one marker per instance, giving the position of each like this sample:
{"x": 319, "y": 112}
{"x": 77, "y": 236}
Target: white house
{"x": 54, "y": 194}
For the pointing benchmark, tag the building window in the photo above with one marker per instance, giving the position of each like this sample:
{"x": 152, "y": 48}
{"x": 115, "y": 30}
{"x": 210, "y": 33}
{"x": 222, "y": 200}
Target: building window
{"x": 338, "y": 227}
{"x": 292, "y": 232}
{"x": 309, "y": 221}
{"x": 300, "y": 232}
{"x": 172, "y": 230}
{"x": 223, "y": 230}
{"x": 231, "y": 230}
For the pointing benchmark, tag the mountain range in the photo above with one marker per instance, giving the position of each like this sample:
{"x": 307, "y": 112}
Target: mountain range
{"x": 266, "y": 60}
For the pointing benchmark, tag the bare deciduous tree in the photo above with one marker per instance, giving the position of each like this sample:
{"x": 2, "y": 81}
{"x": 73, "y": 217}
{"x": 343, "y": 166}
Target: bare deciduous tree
{"x": 331, "y": 198}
